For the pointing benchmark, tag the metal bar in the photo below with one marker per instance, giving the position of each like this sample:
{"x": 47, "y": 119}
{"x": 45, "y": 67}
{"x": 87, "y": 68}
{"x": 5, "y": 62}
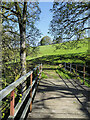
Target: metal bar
{"x": 25, "y": 109}
{"x": 85, "y": 78}
{"x": 12, "y": 86}
{"x": 84, "y": 73}
{"x": 68, "y": 67}
{"x": 28, "y": 103}
{"x": 78, "y": 75}
{"x": 79, "y": 71}
{"x": 87, "y": 74}
{"x": 22, "y": 101}
{"x": 12, "y": 101}
{"x": 80, "y": 65}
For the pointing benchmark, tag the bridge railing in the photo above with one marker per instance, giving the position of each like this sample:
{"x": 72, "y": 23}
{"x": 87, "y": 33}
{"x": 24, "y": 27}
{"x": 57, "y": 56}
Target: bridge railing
{"x": 78, "y": 70}
{"x": 32, "y": 80}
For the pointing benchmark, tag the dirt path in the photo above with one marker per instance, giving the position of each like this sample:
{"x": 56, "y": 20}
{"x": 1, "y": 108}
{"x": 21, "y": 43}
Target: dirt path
{"x": 59, "y": 98}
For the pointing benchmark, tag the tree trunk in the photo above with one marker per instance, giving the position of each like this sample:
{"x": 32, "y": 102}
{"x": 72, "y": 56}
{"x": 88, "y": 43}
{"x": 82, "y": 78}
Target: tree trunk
{"x": 22, "y": 51}
{"x": 22, "y": 28}
{"x": 22, "y": 54}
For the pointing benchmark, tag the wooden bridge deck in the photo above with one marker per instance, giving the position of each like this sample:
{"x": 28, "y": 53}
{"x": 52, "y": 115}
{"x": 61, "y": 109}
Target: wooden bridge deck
{"x": 60, "y": 98}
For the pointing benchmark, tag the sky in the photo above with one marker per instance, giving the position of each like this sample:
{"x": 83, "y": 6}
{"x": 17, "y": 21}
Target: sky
{"x": 45, "y": 18}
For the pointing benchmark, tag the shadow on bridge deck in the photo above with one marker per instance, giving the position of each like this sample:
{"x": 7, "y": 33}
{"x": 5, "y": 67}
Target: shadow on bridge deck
{"x": 61, "y": 98}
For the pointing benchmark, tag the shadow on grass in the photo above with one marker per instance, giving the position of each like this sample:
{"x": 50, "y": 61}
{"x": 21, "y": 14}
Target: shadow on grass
{"x": 53, "y": 59}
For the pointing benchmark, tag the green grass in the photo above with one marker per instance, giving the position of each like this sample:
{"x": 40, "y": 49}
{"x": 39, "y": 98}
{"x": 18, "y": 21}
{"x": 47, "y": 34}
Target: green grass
{"x": 43, "y": 75}
{"x": 63, "y": 52}
{"x": 67, "y": 75}
{"x": 63, "y": 49}
{"x": 64, "y": 74}
{"x": 50, "y": 55}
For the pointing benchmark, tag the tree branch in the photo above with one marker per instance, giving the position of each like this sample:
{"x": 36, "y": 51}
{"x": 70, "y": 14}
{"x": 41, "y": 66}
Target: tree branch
{"x": 16, "y": 13}
{"x": 9, "y": 18}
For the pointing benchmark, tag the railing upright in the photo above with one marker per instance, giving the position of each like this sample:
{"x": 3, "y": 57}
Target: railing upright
{"x": 70, "y": 67}
{"x": 31, "y": 92}
{"x": 76, "y": 71}
{"x": 14, "y": 109}
{"x": 65, "y": 65}
{"x": 84, "y": 74}
{"x": 12, "y": 102}
{"x": 40, "y": 70}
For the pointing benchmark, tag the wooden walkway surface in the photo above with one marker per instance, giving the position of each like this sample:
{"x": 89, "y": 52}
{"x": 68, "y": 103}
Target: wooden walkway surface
{"x": 60, "y": 98}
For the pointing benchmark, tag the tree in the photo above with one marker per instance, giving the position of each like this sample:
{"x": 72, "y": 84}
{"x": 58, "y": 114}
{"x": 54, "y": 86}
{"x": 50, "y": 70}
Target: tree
{"x": 23, "y": 15}
{"x": 69, "y": 20}
{"x": 46, "y": 40}
{"x": 57, "y": 40}
{"x": 18, "y": 18}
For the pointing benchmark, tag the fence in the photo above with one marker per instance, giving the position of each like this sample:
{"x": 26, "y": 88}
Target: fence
{"x": 77, "y": 68}
{"x": 32, "y": 79}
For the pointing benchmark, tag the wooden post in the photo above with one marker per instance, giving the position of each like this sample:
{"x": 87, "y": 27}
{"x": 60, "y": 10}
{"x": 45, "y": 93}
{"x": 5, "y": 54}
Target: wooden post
{"x": 12, "y": 101}
{"x": 41, "y": 68}
{"x": 70, "y": 67}
{"x": 65, "y": 66}
{"x": 76, "y": 71}
{"x": 37, "y": 75}
{"x": 31, "y": 92}
{"x": 83, "y": 74}
{"x": 39, "y": 71}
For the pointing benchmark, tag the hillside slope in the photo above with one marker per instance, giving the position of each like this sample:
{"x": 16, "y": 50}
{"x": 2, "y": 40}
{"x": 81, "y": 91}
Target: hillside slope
{"x": 63, "y": 49}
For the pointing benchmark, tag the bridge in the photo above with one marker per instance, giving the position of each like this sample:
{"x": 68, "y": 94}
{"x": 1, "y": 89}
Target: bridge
{"x": 48, "y": 98}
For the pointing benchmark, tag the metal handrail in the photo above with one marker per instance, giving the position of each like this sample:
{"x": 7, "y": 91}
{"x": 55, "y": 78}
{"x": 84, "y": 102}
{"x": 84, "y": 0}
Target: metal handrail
{"x": 11, "y": 89}
{"x": 84, "y": 72}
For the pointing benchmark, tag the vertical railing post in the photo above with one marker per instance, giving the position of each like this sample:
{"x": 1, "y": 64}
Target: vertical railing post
{"x": 76, "y": 71}
{"x": 37, "y": 75}
{"x": 39, "y": 71}
{"x": 70, "y": 67}
{"x": 65, "y": 65}
{"x": 41, "y": 67}
{"x": 31, "y": 92}
{"x": 12, "y": 102}
{"x": 84, "y": 74}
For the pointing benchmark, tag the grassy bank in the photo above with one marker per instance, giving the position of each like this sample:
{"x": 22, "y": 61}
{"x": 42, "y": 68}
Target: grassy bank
{"x": 48, "y": 55}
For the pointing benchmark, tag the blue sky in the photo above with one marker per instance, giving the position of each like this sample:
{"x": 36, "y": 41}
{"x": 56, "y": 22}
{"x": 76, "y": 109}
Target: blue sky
{"x": 45, "y": 17}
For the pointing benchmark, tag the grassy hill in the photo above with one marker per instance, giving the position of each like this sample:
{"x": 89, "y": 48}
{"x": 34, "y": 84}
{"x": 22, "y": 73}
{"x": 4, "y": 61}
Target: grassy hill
{"x": 49, "y": 56}
{"x": 67, "y": 51}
